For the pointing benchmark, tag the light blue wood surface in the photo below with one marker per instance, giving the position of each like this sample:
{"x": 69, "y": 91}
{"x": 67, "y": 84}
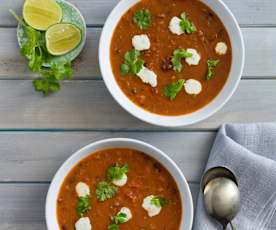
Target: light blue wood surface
{"x": 37, "y": 134}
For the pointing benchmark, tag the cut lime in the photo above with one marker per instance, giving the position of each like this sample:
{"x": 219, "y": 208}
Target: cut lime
{"x": 62, "y": 38}
{"x": 40, "y": 14}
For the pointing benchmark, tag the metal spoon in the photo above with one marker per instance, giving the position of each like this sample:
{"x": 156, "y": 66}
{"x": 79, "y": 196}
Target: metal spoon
{"x": 221, "y": 195}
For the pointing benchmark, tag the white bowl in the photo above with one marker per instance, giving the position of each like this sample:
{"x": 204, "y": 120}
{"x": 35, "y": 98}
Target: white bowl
{"x": 236, "y": 38}
{"x": 186, "y": 197}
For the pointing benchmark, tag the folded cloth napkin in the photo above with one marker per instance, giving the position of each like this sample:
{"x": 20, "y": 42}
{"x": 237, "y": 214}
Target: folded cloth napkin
{"x": 250, "y": 152}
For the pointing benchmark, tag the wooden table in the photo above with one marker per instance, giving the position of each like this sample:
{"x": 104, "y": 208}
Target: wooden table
{"x": 38, "y": 134}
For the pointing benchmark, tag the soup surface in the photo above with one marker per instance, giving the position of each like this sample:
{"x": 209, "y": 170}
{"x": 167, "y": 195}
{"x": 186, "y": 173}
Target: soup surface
{"x": 204, "y": 37}
{"x": 145, "y": 176}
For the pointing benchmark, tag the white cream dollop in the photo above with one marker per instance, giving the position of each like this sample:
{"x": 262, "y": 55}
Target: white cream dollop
{"x": 175, "y": 27}
{"x": 82, "y": 189}
{"x": 152, "y": 209}
{"x": 193, "y": 87}
{"x": 195, "y": 59}
{"x": 148, "y": 76}
{"x": 221, "y": 48}
{"x": 83, "y": 224}
{"x": 127, "y": 212}
{"x": 120, "y": 182}
{"x": 141, "y": 42}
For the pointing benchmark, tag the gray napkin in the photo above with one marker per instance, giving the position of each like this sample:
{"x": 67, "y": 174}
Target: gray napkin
{"x": 250, "y": 152}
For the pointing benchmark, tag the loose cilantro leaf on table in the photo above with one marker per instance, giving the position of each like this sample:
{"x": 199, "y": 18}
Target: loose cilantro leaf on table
{"x": 58, "y": 71}
{"x": 34, "y": 48}
{"x": 83, "y": 205}
{"x": 105, "y": 191}
{"x": 186, "y": 25}
{"x": 159, "y": 201}
{"x": 132, "y": 63}
{"x": 172, "y": 90}
{"x": 116, "y": 172}
{"x": 178, "y": 55}
{"x": 212, "y": 64}
{"x": 142, "y": 19}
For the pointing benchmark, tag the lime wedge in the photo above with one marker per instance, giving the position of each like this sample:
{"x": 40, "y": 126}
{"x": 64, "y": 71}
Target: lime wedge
{"x": 62, "y": 38}
{"x": 40, "y": 14}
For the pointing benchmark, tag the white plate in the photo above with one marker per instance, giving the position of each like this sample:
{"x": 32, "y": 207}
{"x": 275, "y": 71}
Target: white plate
{"x": 186, "y": 197}
{"x": 236, "y": 38}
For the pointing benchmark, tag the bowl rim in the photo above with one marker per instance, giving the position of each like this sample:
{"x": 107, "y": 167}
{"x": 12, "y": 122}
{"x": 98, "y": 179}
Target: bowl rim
{"x": 148, "y": 149}
{"x": 179, "y": 120}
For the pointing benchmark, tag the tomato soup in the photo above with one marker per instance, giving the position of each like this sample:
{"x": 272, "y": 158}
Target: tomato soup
{"x": 144, "y": 192}
{"x": 183, "y": 55}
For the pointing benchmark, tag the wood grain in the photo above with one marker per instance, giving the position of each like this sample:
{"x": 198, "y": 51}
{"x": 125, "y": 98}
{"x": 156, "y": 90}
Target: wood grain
{"x": 36, "y": 156}
{"x": 86, "y": 105}
{"x": 13, "y": 66}
{"x": 22, "y": 206}
{"x": 248, "y": 12}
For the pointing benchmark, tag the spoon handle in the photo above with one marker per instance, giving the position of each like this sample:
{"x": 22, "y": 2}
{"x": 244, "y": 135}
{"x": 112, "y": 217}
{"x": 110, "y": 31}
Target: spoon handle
{"x": 232, "y": 226}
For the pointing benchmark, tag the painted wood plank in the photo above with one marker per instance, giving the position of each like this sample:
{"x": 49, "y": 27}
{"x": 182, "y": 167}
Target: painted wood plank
{"x": 36, "y": 156}
{"x": 22, "y": 206}
{"x": 87, "y": 105}
{"x": 248, "y": 12}
{"x": 12, "y": 65}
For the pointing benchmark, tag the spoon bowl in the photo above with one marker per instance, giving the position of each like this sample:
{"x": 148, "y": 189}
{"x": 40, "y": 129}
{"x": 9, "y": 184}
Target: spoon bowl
{"x": 221, "y": 195}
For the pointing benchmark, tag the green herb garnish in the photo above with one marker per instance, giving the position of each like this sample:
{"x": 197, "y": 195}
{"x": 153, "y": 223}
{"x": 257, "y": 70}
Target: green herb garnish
{"x": 178, "y": 55}
{"x": 142, "y": 19}
{"x": 186, "y": 25}
{"x": 132, "y": 63}
{"x": 113, "y": 227}
{"x": 116, "y": 172}
{"x": 172, "y": 90}
{"x": 83, "y": 205}
{"x": 34, "y": 48}
{"x": 105, "y": 191}
{"x": 211, "y": 67}
{"x": 158, "y": 201}
{"x": 120, "y": 218}
{"x": 58, "y": 71}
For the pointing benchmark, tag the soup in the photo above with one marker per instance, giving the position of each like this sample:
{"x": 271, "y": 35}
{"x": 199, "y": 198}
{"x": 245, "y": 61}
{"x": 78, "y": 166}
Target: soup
{"x": 114, "y": 181}
{"x": 170, "y": 57}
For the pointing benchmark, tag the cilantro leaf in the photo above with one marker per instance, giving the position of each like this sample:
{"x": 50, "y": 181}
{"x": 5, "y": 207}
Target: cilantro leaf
{"x": 158, "y": 201}
{"x": 178, "y": 54}
{"x": 142, "y": 19}
{"x": 132, "y": 63}
{"x": 116, "y": 172}
{"x": 58, "y": 71}
{"x": 120, "y": 218}
{"x": 105, "y": 191}
{"x": 186, "y": 25}
{"x": 83, "y": 205}
{"x": 212, "y": 64}
{"x": 113, "y": 227}
{"x": 173, "y": 89}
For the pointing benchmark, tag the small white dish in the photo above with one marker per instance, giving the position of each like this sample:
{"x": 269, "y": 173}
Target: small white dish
{"x": 186, "y": 197}
{"x": 237, "y": 42}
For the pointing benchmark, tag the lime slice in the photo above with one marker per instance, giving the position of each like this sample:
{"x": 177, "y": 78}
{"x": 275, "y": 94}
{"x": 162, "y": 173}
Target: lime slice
{"x": 40, "y": 14}
{"x": 62, "y": 38}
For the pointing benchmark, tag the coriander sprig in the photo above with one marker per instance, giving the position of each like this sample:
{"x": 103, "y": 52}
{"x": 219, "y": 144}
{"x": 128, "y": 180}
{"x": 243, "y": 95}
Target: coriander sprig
{"x": 116, "y": 172}
{"x": 142, "y": 19}
{"x": 83, "y": 205}
{"x": 186, "y": 25}
{"x": 105, "y": 191}
{"x": 173, "y": 89}
{"x": 212, "y": 64}
{"x": 177, "y": 57}
{"x": 132, "y": 63}
{"x": 120, "y": 218}
{"x": 159, "y": 201}
{"x": 34, "y": 48}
